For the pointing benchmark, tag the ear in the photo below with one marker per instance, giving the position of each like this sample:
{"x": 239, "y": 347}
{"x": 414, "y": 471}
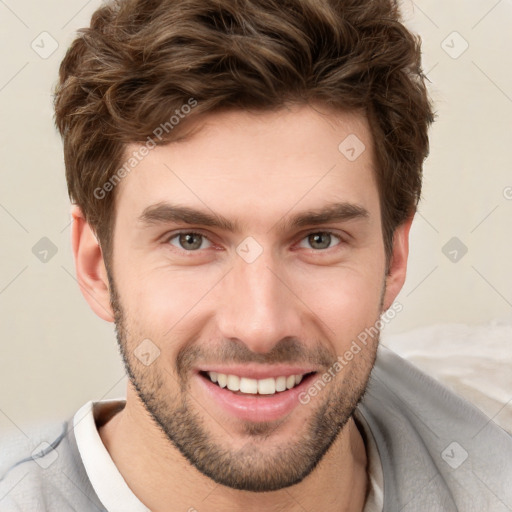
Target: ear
{"x": 398, "y": 263}
{"x": 89, "y": 265}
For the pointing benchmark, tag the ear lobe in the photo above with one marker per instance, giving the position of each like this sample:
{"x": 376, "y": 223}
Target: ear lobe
{"x": 90, "y": 267}
{"x": 398, "y": 263}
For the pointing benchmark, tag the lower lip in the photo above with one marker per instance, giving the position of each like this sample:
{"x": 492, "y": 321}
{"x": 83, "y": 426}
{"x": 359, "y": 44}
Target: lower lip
{"x": 255, "y": 407}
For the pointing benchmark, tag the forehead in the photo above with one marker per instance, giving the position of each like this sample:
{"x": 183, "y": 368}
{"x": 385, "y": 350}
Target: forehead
{"x": 258, "y": 165}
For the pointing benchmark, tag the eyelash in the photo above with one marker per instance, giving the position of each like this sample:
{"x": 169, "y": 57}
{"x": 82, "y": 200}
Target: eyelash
{"x": 306, "y": 235}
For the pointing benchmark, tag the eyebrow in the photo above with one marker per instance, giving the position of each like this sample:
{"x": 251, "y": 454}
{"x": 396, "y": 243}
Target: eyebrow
{"x": 164, "y": 213}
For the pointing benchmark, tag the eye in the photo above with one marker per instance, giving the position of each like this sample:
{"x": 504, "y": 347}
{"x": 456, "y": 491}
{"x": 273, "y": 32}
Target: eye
{"x": 321, "y": 240}
{"x": 189, "y": 241}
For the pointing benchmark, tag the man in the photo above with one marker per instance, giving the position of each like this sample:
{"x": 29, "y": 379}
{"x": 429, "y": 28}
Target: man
{"x": 244, "y": 177}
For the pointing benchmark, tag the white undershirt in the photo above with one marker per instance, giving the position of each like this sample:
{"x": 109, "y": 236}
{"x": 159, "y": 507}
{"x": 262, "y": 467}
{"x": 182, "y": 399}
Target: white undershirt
{"x": 116, "y": 496}
{"x": 375, "y": 496}
{"x": 107, "y": 481}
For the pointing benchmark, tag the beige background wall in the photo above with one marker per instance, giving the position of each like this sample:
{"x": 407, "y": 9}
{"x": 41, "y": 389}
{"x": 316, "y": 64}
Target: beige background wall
{"x": 56, "y": 354}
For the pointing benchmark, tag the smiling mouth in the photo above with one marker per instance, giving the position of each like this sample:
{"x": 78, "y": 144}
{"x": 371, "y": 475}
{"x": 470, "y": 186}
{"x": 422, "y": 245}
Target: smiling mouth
{"x": 256, "y": 387}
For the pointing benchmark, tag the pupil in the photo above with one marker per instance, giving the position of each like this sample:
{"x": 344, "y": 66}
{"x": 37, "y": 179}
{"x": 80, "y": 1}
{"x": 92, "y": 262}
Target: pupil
{"x": 315, "y": 239}
{"x": 188, "y": 238}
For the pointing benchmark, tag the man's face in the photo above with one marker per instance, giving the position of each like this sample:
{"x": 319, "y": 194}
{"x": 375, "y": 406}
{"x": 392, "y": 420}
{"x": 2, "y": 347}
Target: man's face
{"x": 272, "y": 295}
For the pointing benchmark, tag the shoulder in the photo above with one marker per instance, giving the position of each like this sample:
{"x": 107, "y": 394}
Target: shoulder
{"x": 434, "y": 445}
{"x": 42, "y": 471}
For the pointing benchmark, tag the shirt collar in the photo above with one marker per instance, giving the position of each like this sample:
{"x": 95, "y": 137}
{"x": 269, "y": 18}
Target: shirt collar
{"x": 116, "y": 496}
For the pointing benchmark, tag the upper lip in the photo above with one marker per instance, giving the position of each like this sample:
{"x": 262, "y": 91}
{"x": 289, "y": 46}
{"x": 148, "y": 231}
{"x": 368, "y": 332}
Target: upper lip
{"x": 259, "y": 371}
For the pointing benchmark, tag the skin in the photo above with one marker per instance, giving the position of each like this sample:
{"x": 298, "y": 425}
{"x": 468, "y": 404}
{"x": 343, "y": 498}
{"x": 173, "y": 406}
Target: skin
{"x": 302, "y": 300}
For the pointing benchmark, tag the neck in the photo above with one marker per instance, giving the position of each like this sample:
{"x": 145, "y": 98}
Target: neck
{"x": 159, "y": 475}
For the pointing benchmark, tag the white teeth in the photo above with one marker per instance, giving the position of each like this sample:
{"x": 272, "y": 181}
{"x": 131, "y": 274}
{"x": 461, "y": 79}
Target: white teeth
{"x": 280, "y": 383}
{"x": 267, "y": 386}
{"x": 233, "y": 383}
{"x": 222, "y": 379}
{"x": 248, "y": 385}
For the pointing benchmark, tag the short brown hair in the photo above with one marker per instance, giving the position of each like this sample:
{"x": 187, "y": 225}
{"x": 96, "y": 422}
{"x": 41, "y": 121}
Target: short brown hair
{"x": 140, "y": 61}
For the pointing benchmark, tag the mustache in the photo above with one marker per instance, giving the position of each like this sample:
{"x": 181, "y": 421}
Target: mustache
{"x": 289, "y": 350}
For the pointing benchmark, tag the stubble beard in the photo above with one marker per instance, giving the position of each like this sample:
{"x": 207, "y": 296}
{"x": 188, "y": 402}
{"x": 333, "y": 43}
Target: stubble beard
{"x": 251, "y": 467}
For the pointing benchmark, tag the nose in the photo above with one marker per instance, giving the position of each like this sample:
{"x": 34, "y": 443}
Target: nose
{"x": 257, "y": 304}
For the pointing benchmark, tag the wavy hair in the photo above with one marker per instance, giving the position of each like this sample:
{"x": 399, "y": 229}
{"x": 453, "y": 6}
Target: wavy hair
{"x": 142, "y": 60}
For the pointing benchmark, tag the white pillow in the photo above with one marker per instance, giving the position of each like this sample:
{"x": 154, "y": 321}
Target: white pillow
{"x": 473, "y": 361}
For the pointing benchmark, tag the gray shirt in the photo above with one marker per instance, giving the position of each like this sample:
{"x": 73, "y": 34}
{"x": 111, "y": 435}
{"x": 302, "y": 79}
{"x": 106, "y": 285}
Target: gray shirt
{"x": 438, "y": 452}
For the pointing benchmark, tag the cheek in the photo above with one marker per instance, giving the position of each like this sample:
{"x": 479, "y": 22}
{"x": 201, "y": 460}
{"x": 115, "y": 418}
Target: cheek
{"x": 347, "y": 301}
{"x": 162, "y": 301}
{"x": 165, "y": 303}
